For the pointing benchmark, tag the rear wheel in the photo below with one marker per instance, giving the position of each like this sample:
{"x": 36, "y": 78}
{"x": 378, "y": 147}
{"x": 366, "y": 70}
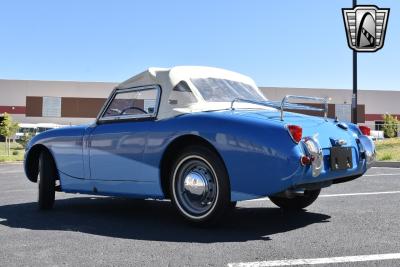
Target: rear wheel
{"x": 297, "y": 202}
{"x": 199, "y": 185}
{"x": 46, "y": 181}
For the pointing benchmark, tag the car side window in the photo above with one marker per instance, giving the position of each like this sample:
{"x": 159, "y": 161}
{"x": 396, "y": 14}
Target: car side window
{"x": 181, "y": 95}
{"x": 133, "y": 103}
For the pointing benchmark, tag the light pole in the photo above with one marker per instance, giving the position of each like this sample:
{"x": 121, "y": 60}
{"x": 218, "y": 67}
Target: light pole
{"x": 354, "y": 96}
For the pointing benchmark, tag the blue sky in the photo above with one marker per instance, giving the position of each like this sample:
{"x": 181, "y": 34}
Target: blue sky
{"x": 278, "y": 43}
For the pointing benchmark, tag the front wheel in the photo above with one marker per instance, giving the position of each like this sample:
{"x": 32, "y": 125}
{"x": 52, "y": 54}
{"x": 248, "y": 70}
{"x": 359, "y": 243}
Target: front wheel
{"x": 46, "y": 181}
{"x": 297, "y": 202}
{"x": 199, "y": 185}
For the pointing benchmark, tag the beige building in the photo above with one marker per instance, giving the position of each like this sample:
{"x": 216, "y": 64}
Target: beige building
{"x": 37, "y": 101}
{"x": 68, "y": 102}
{"x": 374, "y": 102}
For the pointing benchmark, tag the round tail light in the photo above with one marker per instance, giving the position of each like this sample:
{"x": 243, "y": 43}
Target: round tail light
{"x": 305, "y": 160}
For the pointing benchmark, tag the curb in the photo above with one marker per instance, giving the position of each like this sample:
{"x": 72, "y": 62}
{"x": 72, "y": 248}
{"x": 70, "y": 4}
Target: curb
{"x": 387, "y": 164}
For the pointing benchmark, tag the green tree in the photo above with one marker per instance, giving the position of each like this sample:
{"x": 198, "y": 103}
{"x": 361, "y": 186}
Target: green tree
{"x": 391, "y": 124}
{"x": 8, "y": 129}
{"x": 24, "y": 140}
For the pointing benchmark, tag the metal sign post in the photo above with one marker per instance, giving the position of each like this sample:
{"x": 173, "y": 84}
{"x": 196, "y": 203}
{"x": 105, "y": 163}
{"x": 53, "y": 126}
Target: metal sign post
{"x": 354, "y": 97}
{"x": 365, "y": 30}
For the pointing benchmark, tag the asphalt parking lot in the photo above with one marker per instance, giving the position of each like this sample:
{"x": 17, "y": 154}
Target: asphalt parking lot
{"x": 355, "y": 221}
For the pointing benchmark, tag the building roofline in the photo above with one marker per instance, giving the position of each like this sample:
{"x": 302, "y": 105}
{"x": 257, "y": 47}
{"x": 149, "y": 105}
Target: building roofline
{"x": 309, "y": 88}
{"x": 61, "y": 81}
{"x": 261, "y": 87}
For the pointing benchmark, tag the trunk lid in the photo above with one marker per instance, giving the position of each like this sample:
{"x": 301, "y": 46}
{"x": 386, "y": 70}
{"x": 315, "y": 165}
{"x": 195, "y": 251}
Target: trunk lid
{"x": 325, "y": 131}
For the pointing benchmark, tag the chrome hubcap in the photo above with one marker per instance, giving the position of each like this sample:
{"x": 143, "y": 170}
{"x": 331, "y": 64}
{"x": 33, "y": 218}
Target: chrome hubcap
{"x": 195, "y": 183}
{"x": 195, "y": 186}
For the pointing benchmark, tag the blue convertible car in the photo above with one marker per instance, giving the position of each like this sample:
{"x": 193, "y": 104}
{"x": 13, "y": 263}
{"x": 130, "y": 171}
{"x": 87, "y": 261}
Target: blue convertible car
{"x": 204, "y": 138}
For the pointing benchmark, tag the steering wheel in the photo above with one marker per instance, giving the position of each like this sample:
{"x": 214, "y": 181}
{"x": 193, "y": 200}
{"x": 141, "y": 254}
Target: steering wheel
{"x": 134, "y": 108}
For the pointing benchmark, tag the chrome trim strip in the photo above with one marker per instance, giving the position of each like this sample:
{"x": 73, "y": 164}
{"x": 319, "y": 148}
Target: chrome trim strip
{"x": 274, "y": 104}
{"x": 285, "y": 104}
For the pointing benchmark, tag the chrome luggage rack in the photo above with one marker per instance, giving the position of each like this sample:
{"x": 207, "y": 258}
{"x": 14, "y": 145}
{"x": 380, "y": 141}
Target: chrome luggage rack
{"x": 281, "y": 105}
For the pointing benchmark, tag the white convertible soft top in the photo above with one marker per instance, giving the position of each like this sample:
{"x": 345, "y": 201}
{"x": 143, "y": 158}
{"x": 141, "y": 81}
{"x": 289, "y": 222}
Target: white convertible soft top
{"x": 168, "y": 78}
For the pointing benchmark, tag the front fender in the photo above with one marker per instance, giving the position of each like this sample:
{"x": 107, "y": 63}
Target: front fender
{"x": 31, "y": 161}
{"x": 64, "y": 144}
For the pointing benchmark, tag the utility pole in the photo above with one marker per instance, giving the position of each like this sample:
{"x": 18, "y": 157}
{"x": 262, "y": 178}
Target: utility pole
{"x": 354, "y": 96}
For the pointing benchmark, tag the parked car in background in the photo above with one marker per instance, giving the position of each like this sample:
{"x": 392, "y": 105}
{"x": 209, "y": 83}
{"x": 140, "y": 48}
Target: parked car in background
{"x": 34, "y": 128}
{"x": 377, "y": 135}
{"x": 202, "y": 137}
{"x": 42, "y": 127}
{"x": 372, "y": 134}
{"x": 25, "y": 128}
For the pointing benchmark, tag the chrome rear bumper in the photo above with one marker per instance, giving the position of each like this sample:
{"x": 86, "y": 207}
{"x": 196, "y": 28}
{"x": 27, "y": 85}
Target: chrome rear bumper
{"x": 368, "y": 150}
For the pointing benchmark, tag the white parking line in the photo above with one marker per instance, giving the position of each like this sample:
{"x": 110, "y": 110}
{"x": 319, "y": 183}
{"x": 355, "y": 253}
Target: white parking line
{"x": 338, "y": 195}
{"x": 361, "y": 194}
{"x": 8, "y": 172}
{"x": 382, "y": 174}
{"x": 385, "y": 168}
{"x": 361, "y": 258}
{"x": 19, "y": 190}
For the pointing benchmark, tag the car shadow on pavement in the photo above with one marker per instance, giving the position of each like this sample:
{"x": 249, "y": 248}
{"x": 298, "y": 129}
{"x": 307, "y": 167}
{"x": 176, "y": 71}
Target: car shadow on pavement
{"x": 152, "y": 220}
